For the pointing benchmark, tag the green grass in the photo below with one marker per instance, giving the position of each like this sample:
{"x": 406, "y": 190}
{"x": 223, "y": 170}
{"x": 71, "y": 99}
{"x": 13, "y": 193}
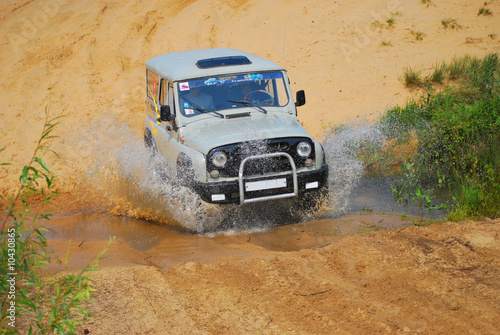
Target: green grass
{"x": 419, "y": 36}
{"x": 390, "y": 22}
{"x": 412, "y": 78}
{"x": 457, "y": 123}
{"x": 484, "y": 11}
{"x": 438, "y": 75}
{"x": 450, "y": 23}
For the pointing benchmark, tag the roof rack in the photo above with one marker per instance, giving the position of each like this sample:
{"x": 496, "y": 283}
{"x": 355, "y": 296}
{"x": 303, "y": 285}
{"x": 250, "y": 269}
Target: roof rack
{"x": 222, "y": 61}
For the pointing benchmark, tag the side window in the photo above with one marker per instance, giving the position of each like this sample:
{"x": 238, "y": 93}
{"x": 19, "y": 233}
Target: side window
{"x": 163, "y": 92}
{"x": 152, "y": 83}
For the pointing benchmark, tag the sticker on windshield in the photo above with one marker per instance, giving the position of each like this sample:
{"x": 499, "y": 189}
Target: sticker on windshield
{"x": 184, "y": 86}
{"x": 214, "y": 81}
{"x": 253, "y": 76}
{"x": 188, "y": 111}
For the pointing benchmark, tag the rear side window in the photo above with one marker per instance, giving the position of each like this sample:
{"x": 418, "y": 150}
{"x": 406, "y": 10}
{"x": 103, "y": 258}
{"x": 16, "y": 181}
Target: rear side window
{"x": 152, "y": 83}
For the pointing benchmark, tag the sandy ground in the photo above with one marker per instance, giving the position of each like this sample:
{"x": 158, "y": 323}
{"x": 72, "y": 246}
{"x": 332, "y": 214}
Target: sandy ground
{"x": 85, "y": 60}
{"x": 441, "y": 279}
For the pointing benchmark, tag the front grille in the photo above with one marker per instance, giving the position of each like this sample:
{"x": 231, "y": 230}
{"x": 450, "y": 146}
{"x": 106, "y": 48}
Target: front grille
{"x": 237, "y": 152}
{"x": 263, "y": 166}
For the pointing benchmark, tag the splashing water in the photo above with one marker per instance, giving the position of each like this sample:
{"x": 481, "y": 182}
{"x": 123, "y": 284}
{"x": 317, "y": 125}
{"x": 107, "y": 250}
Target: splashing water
{"x": 127, "y": 180}
{"x": 342, "y": 146}
{"x": 123, "y": 178}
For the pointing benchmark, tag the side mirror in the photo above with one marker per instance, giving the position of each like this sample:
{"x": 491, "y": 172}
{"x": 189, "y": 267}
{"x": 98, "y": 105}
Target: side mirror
{"x": 165, "y": 114}
{"x": 300, "y": 98}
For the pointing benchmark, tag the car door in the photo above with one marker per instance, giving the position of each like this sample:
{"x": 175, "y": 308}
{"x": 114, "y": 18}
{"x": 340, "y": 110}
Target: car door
{"x": 167, "y": 136}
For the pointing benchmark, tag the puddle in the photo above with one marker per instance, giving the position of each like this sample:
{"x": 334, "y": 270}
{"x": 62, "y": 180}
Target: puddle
{"x": 139, "y": 242}
{"x": 374, "y": 194}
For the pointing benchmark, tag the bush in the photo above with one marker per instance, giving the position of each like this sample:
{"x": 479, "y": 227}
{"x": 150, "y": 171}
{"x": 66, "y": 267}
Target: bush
{"x": 458, "y": 130}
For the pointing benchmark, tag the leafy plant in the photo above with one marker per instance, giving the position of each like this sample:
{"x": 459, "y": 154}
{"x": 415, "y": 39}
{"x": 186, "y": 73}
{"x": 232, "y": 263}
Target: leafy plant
{"x": 24, "y": 252}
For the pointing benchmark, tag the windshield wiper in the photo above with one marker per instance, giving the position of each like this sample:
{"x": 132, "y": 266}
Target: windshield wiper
{"x": 205, "y": 110}
{"x": 248, "y": 103}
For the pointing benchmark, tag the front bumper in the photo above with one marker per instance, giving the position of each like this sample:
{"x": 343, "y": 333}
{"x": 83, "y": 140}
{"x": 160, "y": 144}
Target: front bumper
{"x": 229, "y": 191}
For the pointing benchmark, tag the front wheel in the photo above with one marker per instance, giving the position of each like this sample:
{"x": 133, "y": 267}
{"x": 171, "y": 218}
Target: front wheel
{"x": 314, "y": 202}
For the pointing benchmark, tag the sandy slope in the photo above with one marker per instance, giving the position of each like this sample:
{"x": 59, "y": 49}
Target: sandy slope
{"x": 87, "y": 58}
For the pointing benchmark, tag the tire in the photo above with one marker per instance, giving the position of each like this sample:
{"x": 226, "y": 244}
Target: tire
{"x": 314, "y": 201}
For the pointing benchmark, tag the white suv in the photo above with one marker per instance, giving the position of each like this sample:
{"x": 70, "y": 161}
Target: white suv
{"x": 227, "y": 122}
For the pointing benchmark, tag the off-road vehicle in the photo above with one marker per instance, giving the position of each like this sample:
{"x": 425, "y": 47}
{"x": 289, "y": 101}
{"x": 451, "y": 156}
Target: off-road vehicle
{"x": 227, "y": 122}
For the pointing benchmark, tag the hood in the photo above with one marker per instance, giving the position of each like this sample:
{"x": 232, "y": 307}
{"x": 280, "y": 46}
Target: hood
{"x": 208, "y": 134}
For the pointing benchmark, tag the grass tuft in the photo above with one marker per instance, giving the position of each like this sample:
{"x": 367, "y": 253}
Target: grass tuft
{"x": 390, "y": 22}
{"x": 450, "y": 23}
{"x": 419, "y": 36}
{"x": 438, "y": 75}
{"x": 412, "y": 78}
{"x": 484, "y": 11}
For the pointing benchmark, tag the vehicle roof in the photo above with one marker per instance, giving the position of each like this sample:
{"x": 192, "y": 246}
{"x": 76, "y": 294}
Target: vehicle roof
{"x": 178, "y": 66}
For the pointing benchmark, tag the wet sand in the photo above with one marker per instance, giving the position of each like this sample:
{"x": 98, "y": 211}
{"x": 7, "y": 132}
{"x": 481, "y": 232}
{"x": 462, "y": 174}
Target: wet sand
{"x": 139, "y": 242}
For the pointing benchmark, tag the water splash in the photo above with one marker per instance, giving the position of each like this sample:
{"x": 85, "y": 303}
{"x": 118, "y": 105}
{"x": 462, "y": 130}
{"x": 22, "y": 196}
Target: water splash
{"x": 123, "y": 179}
{"x": 342, "y": 147}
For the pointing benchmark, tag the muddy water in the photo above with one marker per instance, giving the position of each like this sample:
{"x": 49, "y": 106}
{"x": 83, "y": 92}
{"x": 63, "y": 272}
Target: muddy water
{"x": 139, "y": 242}
{"x": 144, "y": 206}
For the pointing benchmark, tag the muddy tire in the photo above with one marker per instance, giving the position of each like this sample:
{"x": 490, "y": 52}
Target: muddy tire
{"x": 313, "y": 202}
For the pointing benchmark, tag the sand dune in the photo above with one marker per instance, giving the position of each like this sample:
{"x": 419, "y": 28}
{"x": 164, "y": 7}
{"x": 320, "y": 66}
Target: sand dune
{"x": 86, "y": 59}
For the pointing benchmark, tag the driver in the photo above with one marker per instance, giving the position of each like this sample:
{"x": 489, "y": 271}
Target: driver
{"x": 199, "y": 99}
{"x": 246, "y": 89}
{"x": 250, "y": 93}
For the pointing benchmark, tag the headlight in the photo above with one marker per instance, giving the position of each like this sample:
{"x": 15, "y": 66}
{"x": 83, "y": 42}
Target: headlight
{"x": 219, "y": 159}
{"x": 304, "y": 149}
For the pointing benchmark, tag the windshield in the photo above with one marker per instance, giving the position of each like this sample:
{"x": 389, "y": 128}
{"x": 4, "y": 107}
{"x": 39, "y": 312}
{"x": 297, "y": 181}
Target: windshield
{"x": 259, "y": 90}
